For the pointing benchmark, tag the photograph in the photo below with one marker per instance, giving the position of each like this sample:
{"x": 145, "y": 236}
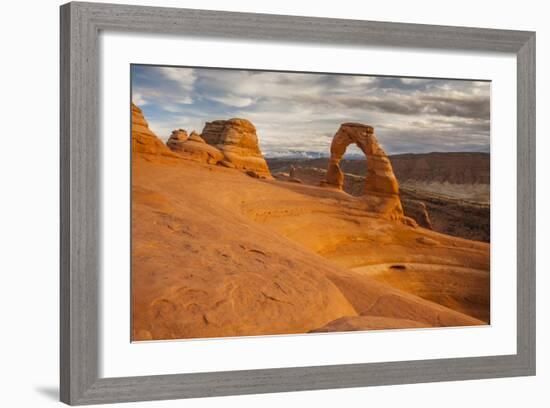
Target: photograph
{"x": 275, "y": 204}
{"x": 297, "y": 203}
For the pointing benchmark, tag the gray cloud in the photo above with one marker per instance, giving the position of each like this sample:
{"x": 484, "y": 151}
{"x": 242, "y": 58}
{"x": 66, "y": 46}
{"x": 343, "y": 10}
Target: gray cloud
{"x": 301, "y": 112}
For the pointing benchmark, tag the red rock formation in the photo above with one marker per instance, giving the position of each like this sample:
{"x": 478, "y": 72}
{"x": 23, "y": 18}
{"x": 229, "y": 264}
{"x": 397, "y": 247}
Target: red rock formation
{"x": 143, "y": 139}
{"x": 380, "y": 180}
{"x": 237, "y": 140}
{"x": 417, "y": 210}
{"x": 177, "y": 136}
{"x": 292, "y": 175}
{"x": 193, "y": 147}
{"x": 195, "y": 137}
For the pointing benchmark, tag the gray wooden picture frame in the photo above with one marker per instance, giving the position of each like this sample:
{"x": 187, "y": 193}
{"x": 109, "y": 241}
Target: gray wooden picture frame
{"x": 81, "y": 24}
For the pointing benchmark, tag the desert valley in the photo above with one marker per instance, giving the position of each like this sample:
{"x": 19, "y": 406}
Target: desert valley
{"x": 227, "y": 242}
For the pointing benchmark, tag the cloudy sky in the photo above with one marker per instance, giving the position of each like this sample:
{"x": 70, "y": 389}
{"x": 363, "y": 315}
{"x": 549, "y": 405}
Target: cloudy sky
{"x": 298, "y": 114}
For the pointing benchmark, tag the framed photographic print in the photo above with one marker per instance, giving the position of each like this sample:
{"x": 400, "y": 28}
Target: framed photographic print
{"x": 261, "y": 203}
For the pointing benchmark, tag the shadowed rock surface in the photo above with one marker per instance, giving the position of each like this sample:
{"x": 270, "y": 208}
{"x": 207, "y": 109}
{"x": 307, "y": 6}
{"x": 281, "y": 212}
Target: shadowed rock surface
{"x": 418, "y": 211}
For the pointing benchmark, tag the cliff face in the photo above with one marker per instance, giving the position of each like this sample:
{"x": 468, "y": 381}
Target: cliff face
{"x": 238, "y": 141}
{"x": 453, "y": 168}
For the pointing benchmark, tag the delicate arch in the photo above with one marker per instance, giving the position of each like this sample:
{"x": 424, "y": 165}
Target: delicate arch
{"x": 381, "y": 187}
{"x": 380, "y": 178}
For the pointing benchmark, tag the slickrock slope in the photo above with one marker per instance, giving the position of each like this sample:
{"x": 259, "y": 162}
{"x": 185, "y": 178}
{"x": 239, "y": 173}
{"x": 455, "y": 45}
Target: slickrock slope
{"x": 431, "y": 265}
{"x": 143, "y": 139}
{"x": 465, "y": 289}
{"x": 379, "y": 181}
{"x": 230, "y": 255}
{"x": 237, "y": 140}
{"x": 193, "y": 147}
{"x": 360, "y": 323}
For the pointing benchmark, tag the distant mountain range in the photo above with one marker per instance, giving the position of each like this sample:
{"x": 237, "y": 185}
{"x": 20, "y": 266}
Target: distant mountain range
{"x": 290, "y": 154}
{"x": 300, "y": 154}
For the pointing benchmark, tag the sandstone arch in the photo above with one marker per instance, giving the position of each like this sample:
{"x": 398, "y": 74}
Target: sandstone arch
{"x": 380, "y": 182}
